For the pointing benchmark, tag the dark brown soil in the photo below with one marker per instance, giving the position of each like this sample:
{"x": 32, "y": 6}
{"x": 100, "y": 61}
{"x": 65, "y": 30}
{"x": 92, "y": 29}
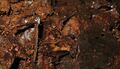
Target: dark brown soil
{"x": 59, "y": 34}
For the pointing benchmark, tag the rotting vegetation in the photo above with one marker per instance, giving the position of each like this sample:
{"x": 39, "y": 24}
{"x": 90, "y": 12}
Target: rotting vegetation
{"x": 59, "y": 34}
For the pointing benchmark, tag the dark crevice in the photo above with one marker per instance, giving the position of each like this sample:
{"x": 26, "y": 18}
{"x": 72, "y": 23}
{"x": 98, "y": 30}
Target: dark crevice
{"x": 2, "y": 13}
{"x": 6, "y": 13}
{"x": 53, "y": 3}
{"x": 96, "y": 37}
{"x": 24, "y": 28}
{"x": 107, "y": 8}
{"x": 41, "y": 30}
{"x": 9, "y": 12}
{"x": 59, "y": 56}
{"x": 109, "y": 0}
{"x": 16, "y": 1}
{"x": 65, "y": 20}
{"x": 102, "y": 35}
{"x": 97, "y": 68}
{"x": 50, "y": 14}
{"x": 111, "y": 28}
{"x": 16, "y": 62}
{"x": 63, "y": 54}
{"x": 72, "y": 36}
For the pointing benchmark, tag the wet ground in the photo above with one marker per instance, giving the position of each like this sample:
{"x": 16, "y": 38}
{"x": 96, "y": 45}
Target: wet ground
{"x": 59, "y": 34}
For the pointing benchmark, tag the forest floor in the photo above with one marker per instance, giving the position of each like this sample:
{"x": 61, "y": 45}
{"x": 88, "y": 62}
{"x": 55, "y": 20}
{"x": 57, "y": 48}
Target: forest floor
{"x": 59, "y": 34}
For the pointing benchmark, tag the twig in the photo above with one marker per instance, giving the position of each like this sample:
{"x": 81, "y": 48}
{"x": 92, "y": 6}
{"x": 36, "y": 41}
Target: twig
{"x": 36, "y": 38}
{"x": 36, "y": 43}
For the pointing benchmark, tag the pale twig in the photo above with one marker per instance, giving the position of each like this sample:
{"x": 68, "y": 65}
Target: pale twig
{"x": 36, "y": 38}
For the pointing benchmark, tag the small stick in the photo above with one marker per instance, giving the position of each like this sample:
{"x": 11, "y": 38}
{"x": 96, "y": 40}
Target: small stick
{"x": 36, "y": 43}
{"x": 36, "y": 38}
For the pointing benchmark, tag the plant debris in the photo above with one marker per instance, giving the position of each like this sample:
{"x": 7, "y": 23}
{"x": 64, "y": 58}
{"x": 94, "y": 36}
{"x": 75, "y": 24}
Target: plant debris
{"x": 59, "y": 34}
